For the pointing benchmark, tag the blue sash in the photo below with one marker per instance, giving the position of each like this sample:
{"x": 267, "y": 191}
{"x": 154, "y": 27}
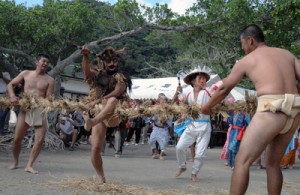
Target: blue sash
{"x": 179, "y": 129}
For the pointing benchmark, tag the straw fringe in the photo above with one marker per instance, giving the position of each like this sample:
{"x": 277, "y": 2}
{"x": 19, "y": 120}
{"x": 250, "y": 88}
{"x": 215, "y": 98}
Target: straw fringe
{"x": 28, "y": 103}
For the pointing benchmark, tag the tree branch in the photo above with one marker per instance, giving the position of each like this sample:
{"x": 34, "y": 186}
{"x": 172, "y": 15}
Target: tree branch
{"x": 151, "y": 26}
{"x": 18, "y": 53}
{"x": 95, "y": 44}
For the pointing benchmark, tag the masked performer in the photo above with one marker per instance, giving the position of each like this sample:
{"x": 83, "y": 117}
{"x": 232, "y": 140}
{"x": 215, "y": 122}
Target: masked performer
{"x": 108, "y": 85}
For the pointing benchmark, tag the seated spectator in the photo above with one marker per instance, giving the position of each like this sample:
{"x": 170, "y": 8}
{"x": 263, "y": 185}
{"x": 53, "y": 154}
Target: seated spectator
{"x": 83, "y": 135}
{"x": 67, "y": 132}
{"x": 4, "y": 113}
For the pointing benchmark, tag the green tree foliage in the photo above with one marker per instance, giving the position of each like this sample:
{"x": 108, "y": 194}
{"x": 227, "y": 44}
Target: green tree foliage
{"x": 161, "y": 42}
{"x": 281, "y": 23}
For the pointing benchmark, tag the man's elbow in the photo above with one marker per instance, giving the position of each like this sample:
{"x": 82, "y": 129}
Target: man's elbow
{"x": 224, "y": 90}
{"x": 9, "y": 87}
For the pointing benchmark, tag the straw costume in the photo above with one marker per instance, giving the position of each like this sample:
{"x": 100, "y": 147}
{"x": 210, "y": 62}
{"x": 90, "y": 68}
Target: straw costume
{"x": 105, "y": 79}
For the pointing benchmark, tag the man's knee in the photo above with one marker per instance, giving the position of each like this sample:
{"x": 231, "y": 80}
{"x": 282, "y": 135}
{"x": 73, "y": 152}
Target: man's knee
{"x": 180, "y": 148}
{"x": 96, "y": 149}
{"x": 112, "y": 100}
{"x": 39, "y": 140}
{"x": 272, "y": 163}
{"x": 243, "y": 160}
{"x": 17, "y": 141}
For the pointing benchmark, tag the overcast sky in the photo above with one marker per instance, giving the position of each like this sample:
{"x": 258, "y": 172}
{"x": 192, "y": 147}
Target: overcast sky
{"x": 178, "y": 6}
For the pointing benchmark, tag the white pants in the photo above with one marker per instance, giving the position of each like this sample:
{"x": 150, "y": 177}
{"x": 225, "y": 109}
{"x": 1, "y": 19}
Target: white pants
{"x": 190, "y": 135}
{"x": 160, "y": 135}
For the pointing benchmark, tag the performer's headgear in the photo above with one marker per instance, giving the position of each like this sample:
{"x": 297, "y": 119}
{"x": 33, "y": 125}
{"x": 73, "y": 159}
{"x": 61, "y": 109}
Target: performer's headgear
{"x": 111, "y": 54}
{"x": 188, "y": 77}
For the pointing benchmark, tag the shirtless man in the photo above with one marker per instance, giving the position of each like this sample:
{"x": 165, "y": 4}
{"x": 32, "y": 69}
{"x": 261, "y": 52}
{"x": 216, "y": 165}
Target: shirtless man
{"x": 36, "y": 83}
{"x": 273, "y": 71}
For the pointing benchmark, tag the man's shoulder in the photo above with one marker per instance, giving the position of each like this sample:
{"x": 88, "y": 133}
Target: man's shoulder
{"x": 49, "y": 78}
{"x": 26, "y": 72}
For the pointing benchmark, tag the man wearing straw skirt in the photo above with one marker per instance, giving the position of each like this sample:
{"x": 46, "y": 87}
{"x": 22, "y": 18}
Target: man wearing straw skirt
{"x": 108, "y": 86}
{"x": 38, "y": 84}
{"x": 277, "y": 115}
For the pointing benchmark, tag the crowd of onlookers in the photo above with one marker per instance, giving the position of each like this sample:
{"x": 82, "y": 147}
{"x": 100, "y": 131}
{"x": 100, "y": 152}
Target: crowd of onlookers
{"x": 131, "y": 131}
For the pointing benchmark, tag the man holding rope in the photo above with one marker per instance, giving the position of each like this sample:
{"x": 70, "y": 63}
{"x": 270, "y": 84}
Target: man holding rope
{"x": 197, "y": 130}
{"x": 108, "y": 85}
{"x": 37, "y": 84}
{"x": 277, "y": 115}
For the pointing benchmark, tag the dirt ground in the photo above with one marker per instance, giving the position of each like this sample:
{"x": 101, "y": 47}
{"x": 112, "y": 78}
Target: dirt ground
{"x": 71, "y": 172}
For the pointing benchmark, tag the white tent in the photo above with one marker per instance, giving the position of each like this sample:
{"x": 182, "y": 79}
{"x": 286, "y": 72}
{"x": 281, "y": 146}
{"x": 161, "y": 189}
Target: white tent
{"x": 150, "y": 88}
{"x": 238, "y": 93}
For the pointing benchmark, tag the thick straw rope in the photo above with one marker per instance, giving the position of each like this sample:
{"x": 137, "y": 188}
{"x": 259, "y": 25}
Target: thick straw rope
{"x": 28, "y": 103}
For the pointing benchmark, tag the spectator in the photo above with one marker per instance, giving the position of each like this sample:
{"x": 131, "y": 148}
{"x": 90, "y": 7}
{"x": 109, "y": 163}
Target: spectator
{"x": 61, "y": 92}
{"x": 289, "y": 158}
{"x": 160, "y": 132}
{"x": 238, "y": 126}
{"x": 67, "y": 132}
{"x": 4, "y": 80}
{"x": 120, "y": 136}
{"x": 136, "y": 125}
{"x": 147, "y": 121}
{"x": 83, "y": 135}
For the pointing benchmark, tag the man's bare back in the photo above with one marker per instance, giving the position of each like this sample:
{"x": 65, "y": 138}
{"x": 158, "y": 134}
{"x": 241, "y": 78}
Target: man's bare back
{"x": 272, "y": 70}
{"x": 274, "y": 73}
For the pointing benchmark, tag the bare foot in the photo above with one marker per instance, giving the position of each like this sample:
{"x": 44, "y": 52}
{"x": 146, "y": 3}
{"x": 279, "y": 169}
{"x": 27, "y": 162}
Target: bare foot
{"x": 179, "y": 171}
{"x": 31, "y": 170}
{"x": 13, "y": 166}
{"x": 191, "y": 160}
{"x": 88, "y": 121}
{"x": 161, "y": 157}
{"x": 194, "y": 178}
{"x": 101, "y": 181}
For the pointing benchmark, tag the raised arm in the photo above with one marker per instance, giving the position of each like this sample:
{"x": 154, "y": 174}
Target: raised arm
{"x": 85, "y": 63}
{"x": 175, "y": 98}
{"x": 229, "y": 82}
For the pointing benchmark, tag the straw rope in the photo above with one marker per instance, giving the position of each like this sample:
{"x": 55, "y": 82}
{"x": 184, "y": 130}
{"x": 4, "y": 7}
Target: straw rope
{"x": 28, "y": 103}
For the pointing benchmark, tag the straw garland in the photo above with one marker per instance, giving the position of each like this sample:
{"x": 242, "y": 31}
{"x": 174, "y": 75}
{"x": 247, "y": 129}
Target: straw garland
{"x": 28, "y": 103}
